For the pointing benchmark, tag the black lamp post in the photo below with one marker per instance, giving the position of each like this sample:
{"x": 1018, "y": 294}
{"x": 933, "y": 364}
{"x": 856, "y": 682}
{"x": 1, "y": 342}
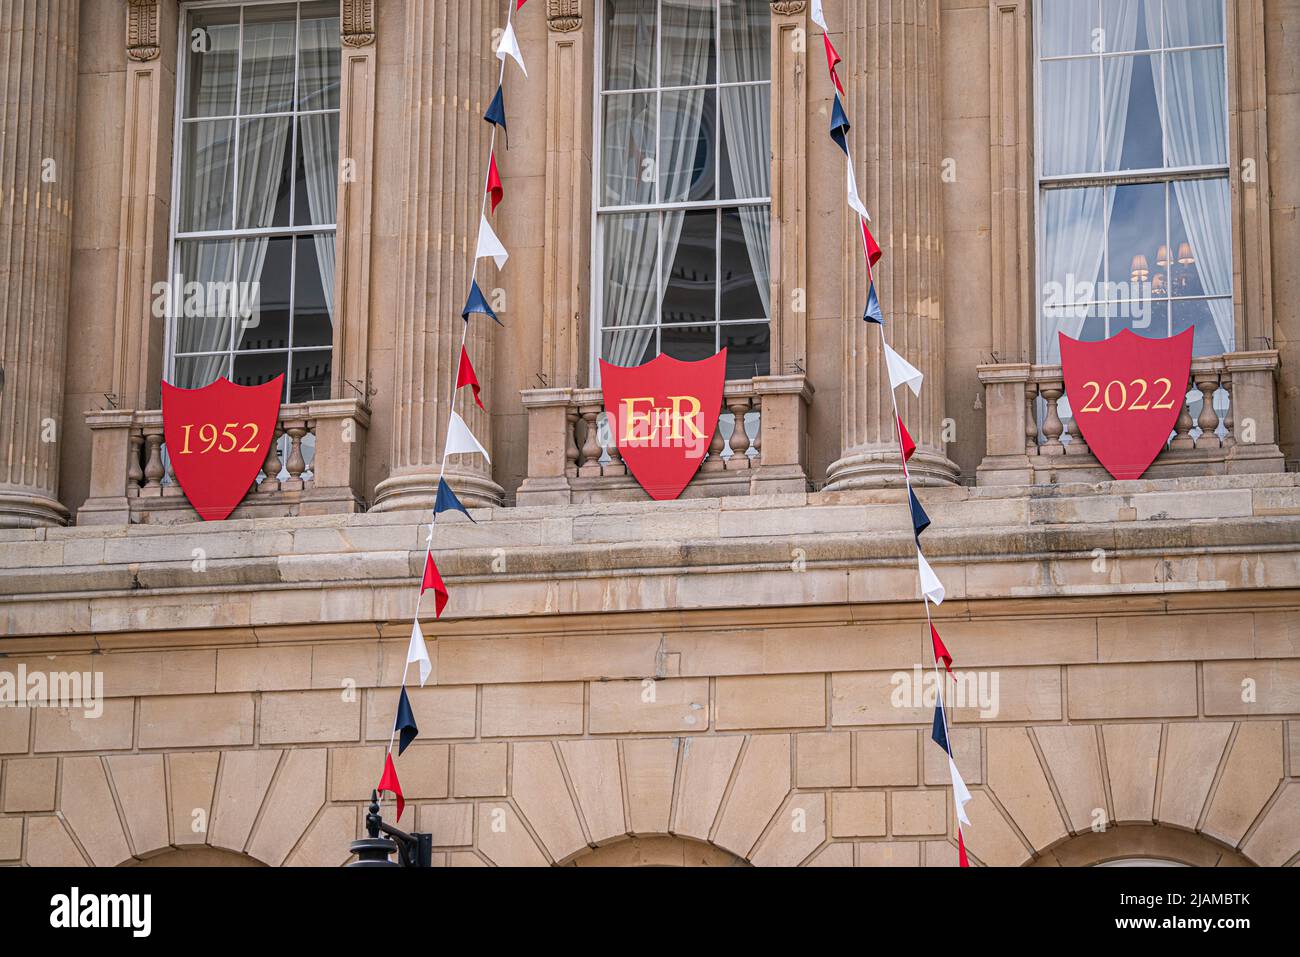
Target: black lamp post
{"x": 413, "y": 850}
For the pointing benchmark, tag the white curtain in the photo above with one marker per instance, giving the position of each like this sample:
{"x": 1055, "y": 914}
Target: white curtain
{"x": 631, "y": 290}
{"x": 1073, "y": 241}
{"x": 320, "y": 145}
{"x": 745, "y": 55}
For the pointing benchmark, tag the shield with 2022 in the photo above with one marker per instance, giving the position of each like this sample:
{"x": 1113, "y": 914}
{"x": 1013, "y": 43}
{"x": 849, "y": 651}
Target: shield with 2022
{"x": 217, "y": 439}
{"x": 662, "y": 415}
{"x": 1125, "y": 395}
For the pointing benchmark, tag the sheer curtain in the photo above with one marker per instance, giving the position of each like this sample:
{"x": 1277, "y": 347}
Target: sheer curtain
{"x": 320, "y": 145}
{"x": 746, "y": 120}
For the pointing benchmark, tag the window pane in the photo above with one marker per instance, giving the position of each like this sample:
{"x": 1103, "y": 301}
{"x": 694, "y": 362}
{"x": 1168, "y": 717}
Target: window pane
{"x": 267, "y": 263}
{"x": 629, "y": 44}
{"x": 741, "y": 297}
{"x": 1195, "y": 115}
{"x": 745, "y": 163}
{"x": 1070, "y": 116}
{"x": 202, "y": 305}
{"x": 628, "y": 149}
{"x": 1066, "y": 26}
{"x": 258, "y": 368}
{"x": 1137, "y": 231}
{"x": 1132, "y": 113}
{"x": 1070, "y": 259}
{"x": 1201, "y": 238}
{"x": 310, "y": 377}
{"x": 1213, "y": 321}
{"x": 207, "y": 175}
{"x": 628, "y": 347}
{"x": 194, "y": 372}
{"x": 690, "y": 290}
{"x": 266, "y": 78}
{"x": 689, "y": 343}
{"x": 688, "y": 51}
{"x": 686, "y": 139}
{"x": 265, "y": 168}
{"x": 746, "y": 37}
{"x": 748, "y": 348}
{"x": 318, "y": 57}
{"x": 315, "y": 188}
{"x": 1193, "y": 22}
{"x": 313, "y": 288}
{"x": 1145, "y": 317}
{"x": 630, "y": 289}
{"x": 213, "y": 53}
{"x": 1130, "y": 25}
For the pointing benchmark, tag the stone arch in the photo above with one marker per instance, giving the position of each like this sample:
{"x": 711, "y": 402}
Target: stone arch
{"x": 199, "y": 855}
{"x": 1156, "y": 842}
{"x": 661, "y": 850}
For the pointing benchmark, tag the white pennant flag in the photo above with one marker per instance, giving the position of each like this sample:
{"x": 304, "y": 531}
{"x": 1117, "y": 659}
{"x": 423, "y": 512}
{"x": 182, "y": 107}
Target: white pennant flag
{"x": 855, "y": 201}
{"x": 902, "y": 372}
{"x": 461, "y": 439}
{"x": 489, "y": 245}
{"x": 931, "y": 587}
{"x": 818, "y": 17}
{"x": 509, "y": 45}
{"x": 416, "y": 651}
{"x": 959, "y": 793}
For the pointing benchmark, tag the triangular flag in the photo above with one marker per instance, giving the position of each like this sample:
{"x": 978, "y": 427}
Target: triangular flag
{"x": 931, "y": 587}
{"x": 818, "y": 17}
{"x": 902, "y": 372}
{"x": 476, "y": 303}
{"x": 905, "y": 440}
{"x": 489, "y": 245}
{"x": 855, "y": 201}
{"x": 405, "y": 724}
{"x": 461, "y": 439}
{"x": 465, "y": 376}
{"x": 446, "y": 501}
{"x": 521, "y": 4}
{"x": 939, "y": 729}
{"x": 840, "y": 126}
{"x": 940, "y": 651}
{"x": 872, "y": 311}
{"x": 962, "y": 860}
{"x": 832, "y": 58}
{"x": 496, "y": 112}
{"x": 390, "y": 783}
{"x": 960, "y": 795}
{"x": 432, "y": 580}
{"x": 509, "y": 46}
{"x": 418, "y": 651}
{"x": 920, "y": 521}
{"x": 870, "y": 247}
{"x": 494, "y": 187}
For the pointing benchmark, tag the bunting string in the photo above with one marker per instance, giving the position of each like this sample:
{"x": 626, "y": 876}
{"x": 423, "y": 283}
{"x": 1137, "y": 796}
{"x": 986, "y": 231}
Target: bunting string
{"x": 901, "y": 373}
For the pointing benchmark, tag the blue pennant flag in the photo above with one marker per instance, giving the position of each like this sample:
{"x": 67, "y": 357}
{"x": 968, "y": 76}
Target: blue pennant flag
{"x": 872, "y": 312}
{"x": 496, "y": 112}
{"x": 476, "y": 303}
{"x": 920, "y": 521}
{"x": 448, "y": 502}
{"x": 840, "y": 126}
{"x": 939, "y": 734}
{"x": 405, "y": 726}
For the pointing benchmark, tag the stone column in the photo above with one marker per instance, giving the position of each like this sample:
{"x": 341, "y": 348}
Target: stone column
{"x": 891, "y": 74}
{"x": 38, "y": 93}
{"x": 450, "y": 78}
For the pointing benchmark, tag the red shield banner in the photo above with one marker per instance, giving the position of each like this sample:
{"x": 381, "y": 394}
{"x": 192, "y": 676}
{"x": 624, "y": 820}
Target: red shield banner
{"x": 217, "y": 439}
{"x": 1125, "y": 395}
{"x": 662, "y": 416}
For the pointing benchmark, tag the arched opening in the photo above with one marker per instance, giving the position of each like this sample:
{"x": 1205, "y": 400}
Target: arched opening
{"x": 1141, "y": 845}
{"x": 658, "y": 851}
{"x": 198, "y": 856}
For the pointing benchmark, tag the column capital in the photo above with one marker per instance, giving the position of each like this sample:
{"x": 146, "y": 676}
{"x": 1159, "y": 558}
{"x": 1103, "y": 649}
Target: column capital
{"x": 564, "y": 16}
{"x": 358, "y": 25}
{"x": 786, "y": 8}
{"x": 142, "y": 33}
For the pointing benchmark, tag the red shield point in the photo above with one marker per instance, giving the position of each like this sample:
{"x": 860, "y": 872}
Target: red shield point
{"x": 217, "y": 439}
{"x": 662, "y": 416}
{"x": 1125, "y": 395}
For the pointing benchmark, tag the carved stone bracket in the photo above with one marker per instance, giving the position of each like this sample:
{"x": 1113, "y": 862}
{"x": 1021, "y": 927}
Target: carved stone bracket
{"x": 564, "y": 16}
{"x": 358, "y": 26}
{"x": 142, "y": 30}
{"x": 787, "y": 7}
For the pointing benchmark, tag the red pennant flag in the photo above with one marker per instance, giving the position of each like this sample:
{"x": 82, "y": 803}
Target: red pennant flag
{"x": 389, "y": 783}
{"x": 905, "y": 440}
{"x": 832, "y": 58}
{"x": 494, "y": 187}
{"x": 870, "y": 246}
{"x": 434, "y": 580}
{"x": 940, "y": 652}
{"x": 521, "y": 4}
{"x": 465, "y": 376}
{"x": 962, "y": 860}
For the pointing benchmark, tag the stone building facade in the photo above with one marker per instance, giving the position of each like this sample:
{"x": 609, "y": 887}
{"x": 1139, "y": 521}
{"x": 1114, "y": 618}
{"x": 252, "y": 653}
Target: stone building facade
{"x": 714, "y": 680}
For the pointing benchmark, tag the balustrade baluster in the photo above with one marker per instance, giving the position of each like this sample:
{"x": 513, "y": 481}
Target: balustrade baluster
{"x": 1208, "y": 420}
{"x": 739, "y": 441}
{"x": 1052, "y": 425}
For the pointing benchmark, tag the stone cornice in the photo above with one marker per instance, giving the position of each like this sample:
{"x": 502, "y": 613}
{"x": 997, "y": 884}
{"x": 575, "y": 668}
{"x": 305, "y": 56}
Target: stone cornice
{"x": 142, "y": 28}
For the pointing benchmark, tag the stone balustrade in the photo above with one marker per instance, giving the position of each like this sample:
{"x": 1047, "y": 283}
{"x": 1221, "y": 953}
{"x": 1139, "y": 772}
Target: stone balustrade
{"x": 1227, "y": 424}
{"x": 314, "y": 467}
{"x": 571, "y": 457}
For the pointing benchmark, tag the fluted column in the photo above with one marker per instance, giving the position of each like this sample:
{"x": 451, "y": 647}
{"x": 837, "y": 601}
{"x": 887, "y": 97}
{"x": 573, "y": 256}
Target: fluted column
{"x": 891, "y": 49}
{"x": 38, "y": 91}
{"x": 450, "y": 78}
